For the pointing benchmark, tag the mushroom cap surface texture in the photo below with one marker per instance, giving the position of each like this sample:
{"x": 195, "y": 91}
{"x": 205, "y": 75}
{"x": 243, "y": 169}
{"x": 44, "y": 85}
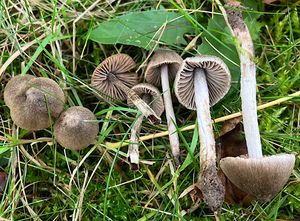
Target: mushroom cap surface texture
{"x": 13, "y": 86}
{"x": 263, "y": 177}
{"x": 76, "y": 128}
{"x": 119, "y": 65}
{"x": 217, "y": 76}
{"x": 161, "y": 57}
{"x": 156, "y": 101}
{"x": 38, "y": 102}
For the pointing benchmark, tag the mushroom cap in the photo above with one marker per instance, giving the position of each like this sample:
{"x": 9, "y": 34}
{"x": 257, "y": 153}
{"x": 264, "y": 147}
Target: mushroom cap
{"x": 156, "y": 101}
{"x": 76, "y": 128}
{"x": 13, "y": 87}
{"x": 38, "y": 99}
{"x": 217, "y": 76}
{"x": 261, "y": 177}
{"x": 119, "y": 65}
{"x": 161, "y": 57}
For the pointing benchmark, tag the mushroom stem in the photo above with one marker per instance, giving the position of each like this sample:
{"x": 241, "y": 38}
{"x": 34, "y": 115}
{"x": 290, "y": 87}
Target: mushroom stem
{"x": 248, "y": 97}
{"x": 136, "y": 100}
{"x": 210, "y": 184}
{"x": 248, "y": 78}
{"x": 171, "y": 120}
{"x": 133, "y": 148}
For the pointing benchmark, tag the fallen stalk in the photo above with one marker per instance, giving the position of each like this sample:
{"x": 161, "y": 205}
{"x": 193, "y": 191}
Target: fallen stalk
{"x": 192, "y": 127}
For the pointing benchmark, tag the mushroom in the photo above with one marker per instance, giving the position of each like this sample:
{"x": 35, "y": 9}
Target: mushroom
{"x": 152, "y": 97}
{"x": 200, "y": 83}
{"x": 262, "y": 177}
{"x": 76, "y": 128}
{"x": 13, "y": 87}
{"x": 36, "y": 103}
{"x": 162, "y": 69}
{"x": 113, "y": 78}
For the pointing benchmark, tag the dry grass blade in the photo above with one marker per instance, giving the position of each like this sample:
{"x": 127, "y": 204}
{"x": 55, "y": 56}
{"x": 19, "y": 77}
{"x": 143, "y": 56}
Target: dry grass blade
{"x": 217, "y": 120}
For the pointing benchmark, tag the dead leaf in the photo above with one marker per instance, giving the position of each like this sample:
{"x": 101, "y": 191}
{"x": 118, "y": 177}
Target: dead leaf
{"x": 3, "y": 180}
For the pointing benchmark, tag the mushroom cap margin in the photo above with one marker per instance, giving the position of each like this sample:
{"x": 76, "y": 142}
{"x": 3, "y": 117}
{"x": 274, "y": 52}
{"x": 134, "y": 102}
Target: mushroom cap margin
{"x": 156, "y": 102}
{"x": 263, "y": 177}
{"x": 162, "y": 56}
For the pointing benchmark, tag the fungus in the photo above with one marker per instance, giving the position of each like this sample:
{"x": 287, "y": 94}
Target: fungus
{"x": 162, "y": 69}
{"x": 200, "y": 83}
{"x": 36, "y": 103}
{"x": 152, "y": 97}
{"x": 262, "y": 177}
{"x": 76, "y": 128}
{"x": 113, "y": 78}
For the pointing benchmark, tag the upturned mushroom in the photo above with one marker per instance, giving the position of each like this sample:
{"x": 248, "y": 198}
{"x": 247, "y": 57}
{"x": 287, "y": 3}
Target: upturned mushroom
{"x": 162, "y": 69}
{"x": 200, "y": 83}
{"x": 35, "y": 103}
{"x": 14, "y": 86}
{"x": 113, "y": 79}
{"x": 262, "y": 177}
{"x": 76, "y": 128}
{"x": 152, "y": 97}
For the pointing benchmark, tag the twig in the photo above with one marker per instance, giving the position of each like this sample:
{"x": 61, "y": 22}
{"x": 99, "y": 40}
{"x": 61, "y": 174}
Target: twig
{"x": 192, "y": 127}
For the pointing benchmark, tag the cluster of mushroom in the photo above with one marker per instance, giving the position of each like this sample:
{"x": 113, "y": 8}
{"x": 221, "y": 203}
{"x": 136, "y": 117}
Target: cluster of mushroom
{"x": 35, "y": 103}
{"x": 199, "y": 83}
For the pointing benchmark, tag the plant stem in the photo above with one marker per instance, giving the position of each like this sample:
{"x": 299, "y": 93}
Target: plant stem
{"x": 171, "y": 120}
{"x": 137, "y": 101}
{"x": 210, "y": 184}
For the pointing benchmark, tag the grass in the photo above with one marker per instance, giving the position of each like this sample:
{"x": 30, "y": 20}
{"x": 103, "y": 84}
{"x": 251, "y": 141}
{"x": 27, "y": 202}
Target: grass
{"x": 47, "y": 182}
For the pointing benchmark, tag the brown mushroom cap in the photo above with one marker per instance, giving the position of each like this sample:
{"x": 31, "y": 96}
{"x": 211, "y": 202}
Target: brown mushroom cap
{"x": 76, "y": 128}
{"x": 217, "y": 76}
{"x": 38, "y": 99}
{"x": 13, "y": 87}
{"x": 119, "y": 65}
{"x": 261, "y": 177}
{"x": 161, "y": 57}
{"x": 156, "y": 101}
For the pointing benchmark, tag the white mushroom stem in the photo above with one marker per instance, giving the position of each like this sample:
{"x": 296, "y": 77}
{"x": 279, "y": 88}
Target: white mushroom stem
{"x": 133, "y": 148}
{"x": 248, "y": 77}
{"x": 136, "y": 100}
{"x": 248, "y": 96}
{"x": 210, "y": 185}
{"x": 206, "y": 135}
{"x": 171, "y": 120}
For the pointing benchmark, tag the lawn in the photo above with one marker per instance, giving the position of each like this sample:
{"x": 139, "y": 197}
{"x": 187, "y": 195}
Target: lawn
{"x": 66, "y": 40}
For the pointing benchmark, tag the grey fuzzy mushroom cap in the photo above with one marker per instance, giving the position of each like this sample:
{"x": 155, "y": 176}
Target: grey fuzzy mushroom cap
{"x": 37, "y": 104}
{"x": 14, "y": 86}
{"x": 76, "y": 128}
{"x": 156, "y": 101}
{"x": 120, "y": 65}
{"x": 161, "y": 57}
{"x": 261, "y": 177}
{"x": 217, "y": 76}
